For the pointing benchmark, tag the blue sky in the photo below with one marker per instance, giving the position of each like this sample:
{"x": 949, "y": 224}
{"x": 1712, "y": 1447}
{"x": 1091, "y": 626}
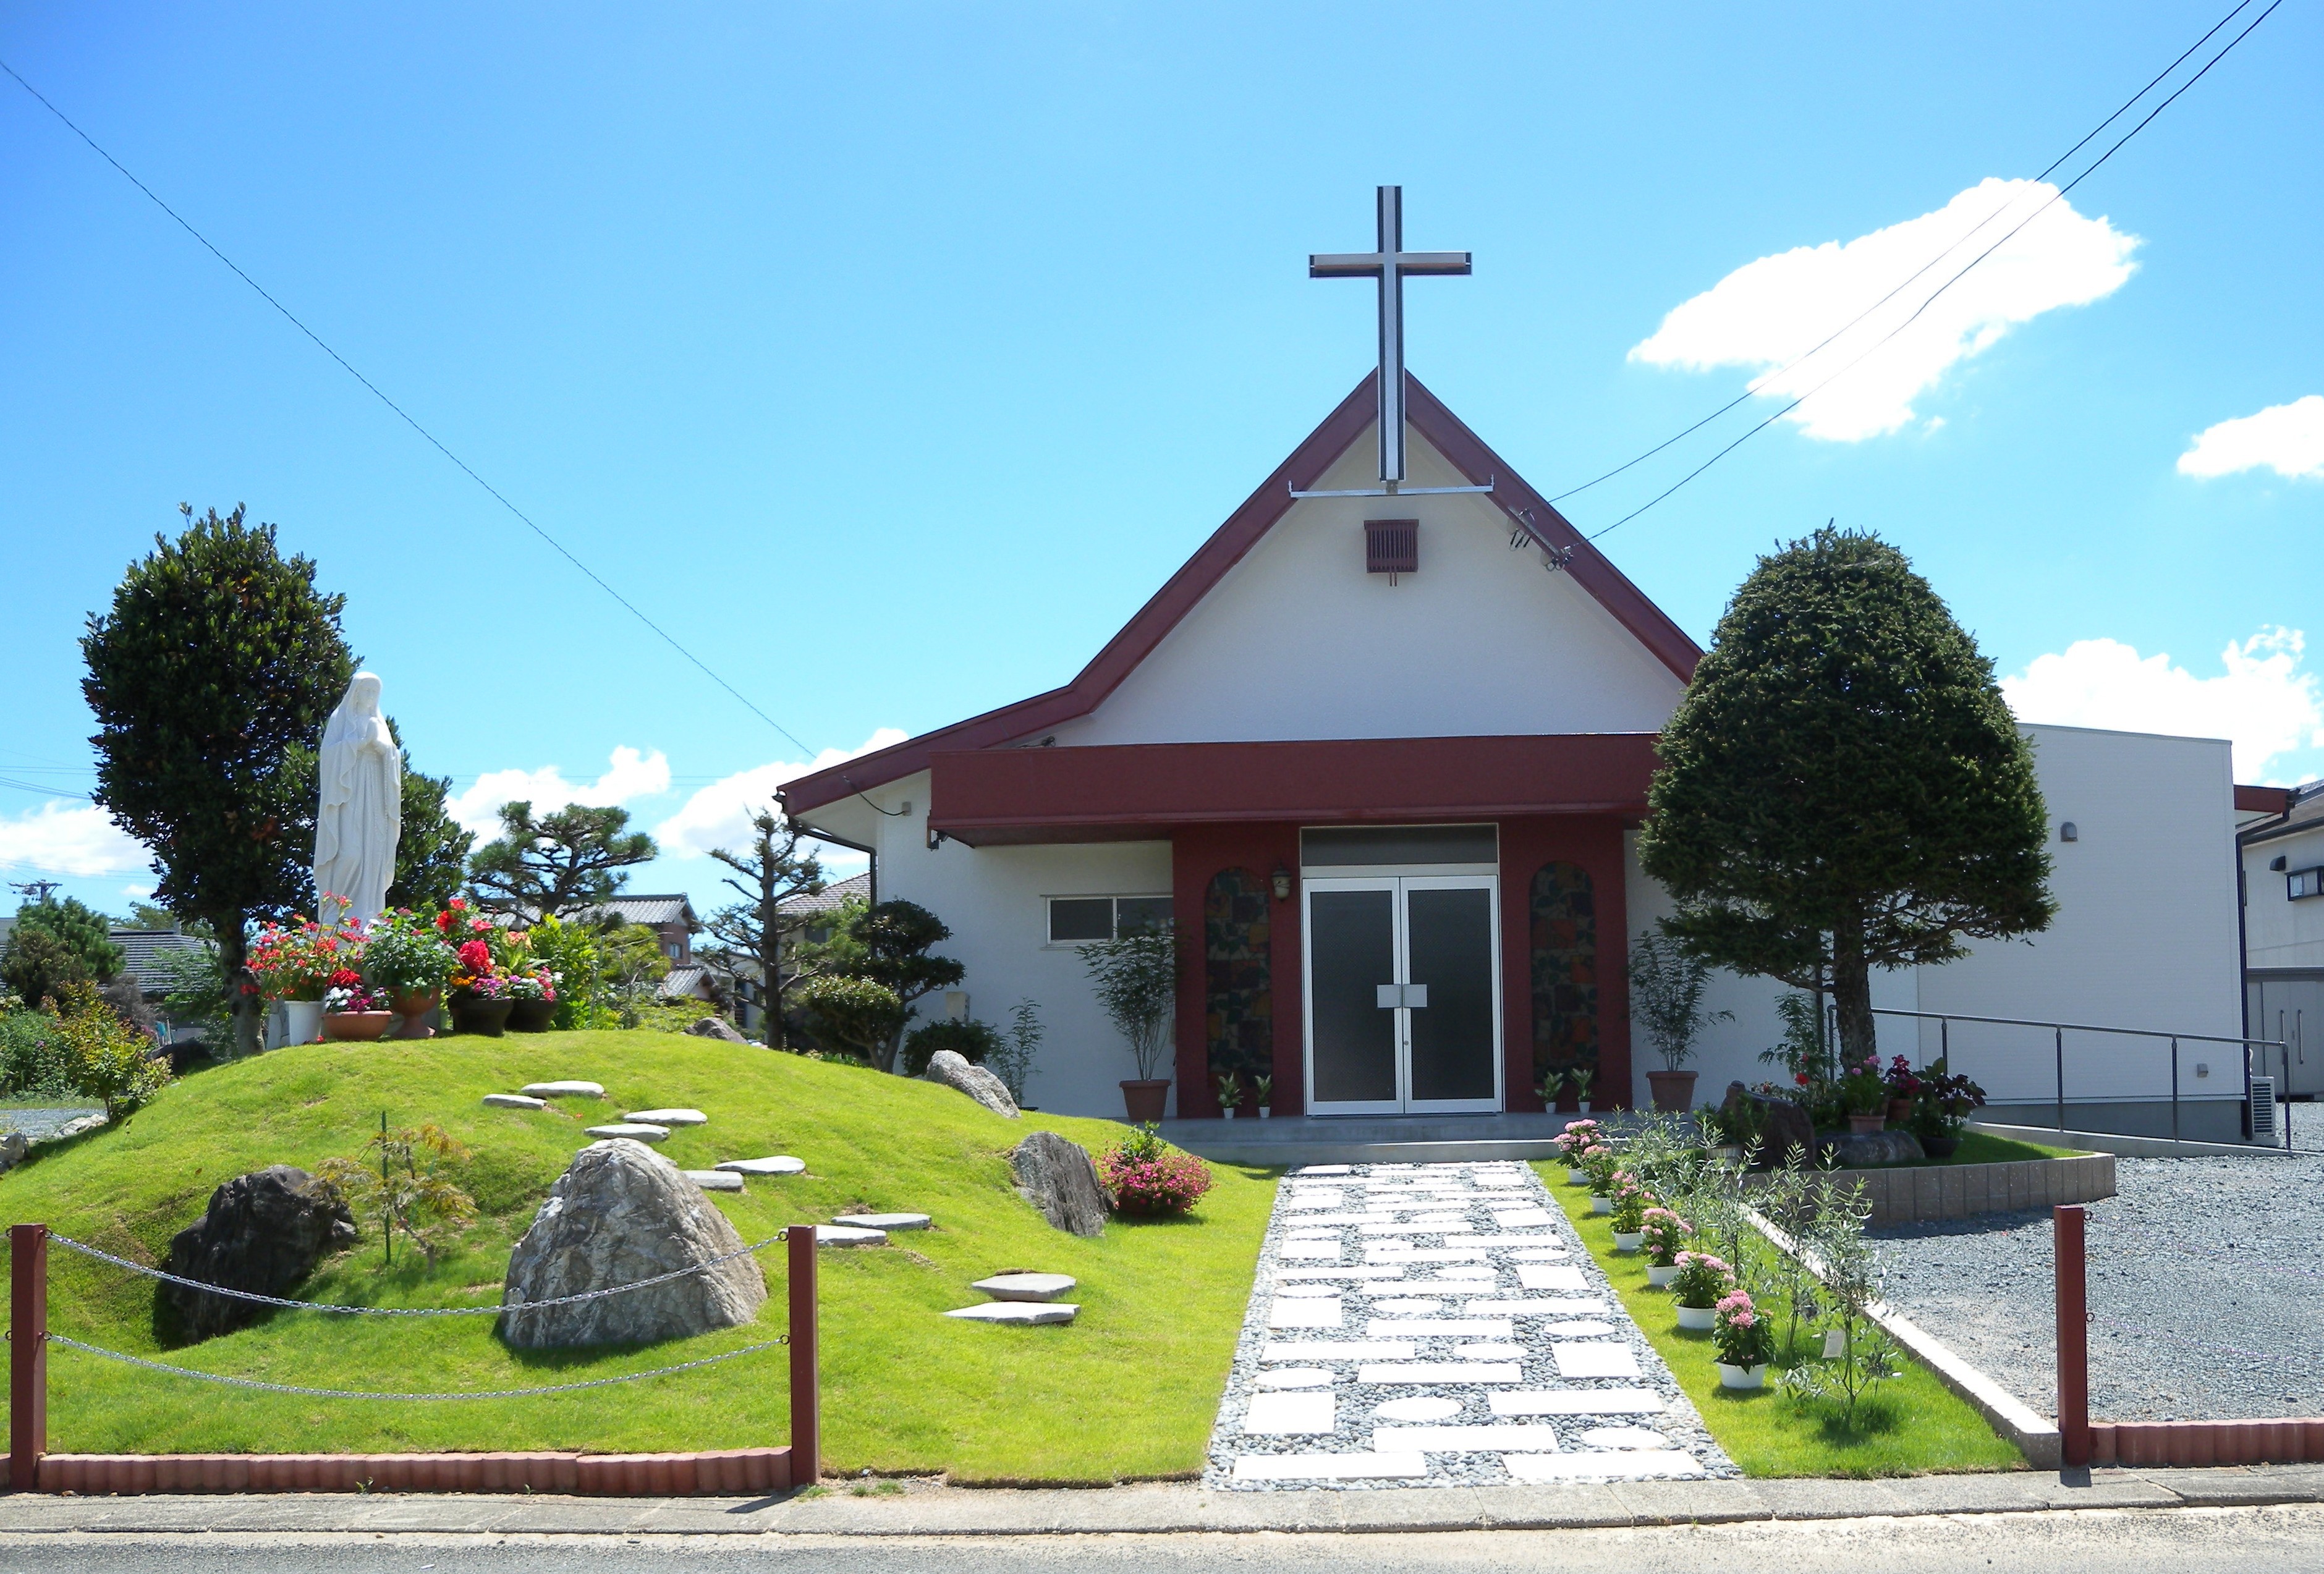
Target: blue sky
{"x": 891, "y": 356}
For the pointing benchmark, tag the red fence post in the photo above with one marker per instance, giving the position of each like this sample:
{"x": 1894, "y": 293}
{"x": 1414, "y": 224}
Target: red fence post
{"x": 2073, "y": 1339}
{"x": 28, "y": 1354}
{"x": 807, "y": 1410}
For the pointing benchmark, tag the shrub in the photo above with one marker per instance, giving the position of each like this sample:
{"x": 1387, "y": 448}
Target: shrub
{"x": 966, "y": 1036}
{"x": 32, "y": 1059}
{"x": 1631, "y": 1200}
{"x": 1150, "y": 1178}
{"x": 104, "y": 1057}
{"x": 1702, "y": 1279}
{"x": 403, "y": 1190}
{"x": 1577, "y": 1138}
{"x": 1667, "y": 1235}
{"x": 1740, "y": 1335}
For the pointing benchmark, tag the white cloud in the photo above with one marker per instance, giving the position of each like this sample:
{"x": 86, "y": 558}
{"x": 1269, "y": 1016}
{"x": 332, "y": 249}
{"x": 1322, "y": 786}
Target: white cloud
{"x": 719, "y": 815}
{"x": 1766, "y": 312}
{"x": 71, "y": 839}
{"x": 629, "y": 774}
{"x": 2263, "y": 702}
{"x": 2287, "y": 439}
{"x": 138, "y": 893}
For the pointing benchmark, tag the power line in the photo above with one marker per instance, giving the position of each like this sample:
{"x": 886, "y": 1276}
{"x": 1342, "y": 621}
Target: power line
{"x": 401, "y": 413}
{"x": 2054, "y": 197}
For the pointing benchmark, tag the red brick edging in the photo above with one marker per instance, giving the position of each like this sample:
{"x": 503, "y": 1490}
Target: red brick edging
{"x": 721, "y": 1473}
{"x": 2207, "y": 1442}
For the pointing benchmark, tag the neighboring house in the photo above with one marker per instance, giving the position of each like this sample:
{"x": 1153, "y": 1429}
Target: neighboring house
{"x": 672, "y": 920}
{"x": 1383, "y": 760}
{"x": 799, "y": 915}
{"x": 2282, "y": 844}
{"x": 146, "y": 955}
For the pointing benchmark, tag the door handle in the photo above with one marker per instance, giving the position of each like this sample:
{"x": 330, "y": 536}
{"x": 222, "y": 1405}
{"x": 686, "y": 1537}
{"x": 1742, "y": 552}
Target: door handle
{"x": 1389, "y": 997}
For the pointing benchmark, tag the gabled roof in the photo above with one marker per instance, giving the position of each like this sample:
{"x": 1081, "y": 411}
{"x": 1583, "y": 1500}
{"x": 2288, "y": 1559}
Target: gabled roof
{"x": 146, "y": 954}
{"x": 855, "y": 888}
{"x": 1227, "y": 545}
{"x": 656, "y": 909}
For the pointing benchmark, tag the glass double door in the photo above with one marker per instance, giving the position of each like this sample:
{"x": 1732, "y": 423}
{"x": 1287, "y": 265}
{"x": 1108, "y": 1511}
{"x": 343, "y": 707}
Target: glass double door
{"x": 1403, "y": 994}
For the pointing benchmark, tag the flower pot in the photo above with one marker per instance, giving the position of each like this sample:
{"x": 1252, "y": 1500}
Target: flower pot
{"x": 1660, "y": 1275}
{"x": 1941, "y": 1147}
{"x": 1673, "y": 1090}
{"x": 1601, "y": 1205}
{"x": 1629, "y": 1240}
{"x": 1145, "y": 1099}
{"x": 1727, "y": 1154}
{"x": 1586, "y": 1107}
{"x": 355, "y": 1026}
{"x": 1864, "y": 1124}
{"x": 1264, "y": 1111}
{"x": 411, "y": 1013}
{"x": 486, "y": 1017}
{"x": 302, "y": 1021}
{"x": 1900, "y": 1110}
{"x": 1227, "y": 1112}
{"x": 1742, "y": 1376}
{"x": 1574, "y": 1177}
{"x": 530, "y": 1016}
{"x": 1700, "y": 1318}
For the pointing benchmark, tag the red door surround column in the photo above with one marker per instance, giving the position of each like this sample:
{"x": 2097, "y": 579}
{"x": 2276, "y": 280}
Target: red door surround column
{"x": 1197, "y": 853}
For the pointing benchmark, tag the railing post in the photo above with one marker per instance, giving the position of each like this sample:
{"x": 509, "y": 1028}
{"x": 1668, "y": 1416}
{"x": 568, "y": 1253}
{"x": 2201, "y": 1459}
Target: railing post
{"x": 2175, "y": 1087}
{"x": 2062, "y": 1076}
{"x": 28, "y": 1354}
{"x": 2073, "y": 1339}
{"x": 807, "y": 1410}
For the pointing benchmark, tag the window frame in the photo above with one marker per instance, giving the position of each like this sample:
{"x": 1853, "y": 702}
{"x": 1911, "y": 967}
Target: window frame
{"x": 1049, "y": 922}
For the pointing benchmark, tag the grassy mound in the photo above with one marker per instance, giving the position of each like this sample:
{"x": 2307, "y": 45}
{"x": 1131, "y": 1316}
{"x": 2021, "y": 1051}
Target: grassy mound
{"x": 1127, "y": 1391}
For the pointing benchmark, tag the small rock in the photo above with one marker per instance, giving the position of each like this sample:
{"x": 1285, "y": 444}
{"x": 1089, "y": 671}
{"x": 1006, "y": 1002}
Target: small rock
{"x": 1866, "y": 1150}
{"x": 848, "y": 1234}
{"x": 954, "y": 1070}
{"x": 513, "y": 1101}
{"x": 779, "y": 1164}
{"x": 1018, "y": 1313}
{"x": 75, "y": 1127}
{"x": 1056, "y": 1176}
{"x": 637, "y": 1131}
{"x": 668, "y": 1116}
{"x": 884, "y": 1221}
{"x": 717, "y": 1028}
{"x": 1025, "y": 1286}
{"x": 714, "y": 1180}
{"x": 262, "y": 1233}
{"x": 565, "y": 1089}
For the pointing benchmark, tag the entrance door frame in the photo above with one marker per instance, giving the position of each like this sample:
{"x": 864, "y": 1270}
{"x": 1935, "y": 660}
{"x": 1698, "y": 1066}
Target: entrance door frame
{"x": 1400, "y": 880}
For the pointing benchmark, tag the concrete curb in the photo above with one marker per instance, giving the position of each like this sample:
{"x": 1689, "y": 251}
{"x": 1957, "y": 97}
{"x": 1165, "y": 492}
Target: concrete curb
{"x": 2135, "y": 1148}
{"x": 927, "y": 1509}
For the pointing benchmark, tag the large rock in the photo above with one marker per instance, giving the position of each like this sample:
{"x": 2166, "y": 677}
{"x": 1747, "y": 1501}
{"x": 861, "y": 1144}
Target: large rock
{"x": 956, "y": 1070}
{"x": 1870, "y": 1150}
{"x": 719, "y": 1028}
{"x": 263, "y": 1233}
{"x": 1781, "y": 1124}
{"x": 1056, "y": 1175}
{"x": 619, "y": 1213}
{"x": 13, "y": 1147}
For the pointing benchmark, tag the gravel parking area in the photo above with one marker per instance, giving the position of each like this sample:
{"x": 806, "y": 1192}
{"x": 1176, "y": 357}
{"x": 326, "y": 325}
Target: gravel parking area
{"x": 2206, "y": 1291}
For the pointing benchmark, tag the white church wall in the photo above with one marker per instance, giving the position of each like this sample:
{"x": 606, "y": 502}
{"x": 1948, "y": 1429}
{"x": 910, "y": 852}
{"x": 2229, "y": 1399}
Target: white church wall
{"x": 1298, "y": 641}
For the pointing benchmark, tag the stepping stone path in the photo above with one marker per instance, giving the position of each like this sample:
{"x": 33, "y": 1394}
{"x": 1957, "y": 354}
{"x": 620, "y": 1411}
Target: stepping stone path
{"x": 1023, "y": 1313}
{"x": 1441, "y": 1325}
{"x": 564, "y": 1090}
{"x": 779, "y": 1164}
{"x": 513, "y": 1101}
{"x": 630, "y": 1128}
{"x": 668, "y": 1116}
{"x": 1025, "y": 1286}
{"x": 847, "y": 1235}
{"x": 714, "y": 1180}
{"x": 884, "y": 1221}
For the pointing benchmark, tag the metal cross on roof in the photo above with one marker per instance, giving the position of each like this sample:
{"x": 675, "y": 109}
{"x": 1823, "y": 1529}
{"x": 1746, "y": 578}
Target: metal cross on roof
{"x": 1390, "y": 264}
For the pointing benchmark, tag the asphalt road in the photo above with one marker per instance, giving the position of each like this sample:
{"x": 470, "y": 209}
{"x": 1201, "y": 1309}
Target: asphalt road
{"x": 2122, "y": 1541}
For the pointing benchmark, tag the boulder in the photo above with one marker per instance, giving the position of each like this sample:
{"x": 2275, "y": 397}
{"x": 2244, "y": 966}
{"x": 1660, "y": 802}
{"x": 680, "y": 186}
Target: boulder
{"x": 12, "y": 1149}
{"x": 1781, "y": 1124}
{"x": 955, "y": 1071}
{"x": 620, "y": 1212}
{"x": 1056, "y": 1175}
{"x": 719, "y": 1028}
{"x": 1870, "y": 1150}
{"x": 263, "y": 1233}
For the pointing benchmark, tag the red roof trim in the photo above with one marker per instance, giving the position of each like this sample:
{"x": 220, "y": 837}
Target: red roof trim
{"x": 2262, "y": 800}
{"x": 1227, "y": 545}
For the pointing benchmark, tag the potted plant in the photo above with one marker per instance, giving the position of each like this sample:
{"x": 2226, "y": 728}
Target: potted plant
{"x": 1581, "y": 1078}
{"x": 354, "y": 1010}
{"x": 1262, "y": 1095}
{"x": 1145, "y": 1177}
{"x": 532, "y": 1000}
{"x": 1744, "y": 1341}
{"x": 293, "y": 965}
{"x": 1665, "y": 1235}
{"x": 1701, "y": 1282}
{"x": 1571, "y": 1142}
{"x": 1666, "y": 985}
{"x": 1864, "y": 1094}
{"x": 1903, "y": 1088}
{"x": 1136, "y": 977}
{"x": 1631, "y": 1199}
{"x": 1598, "y": 1163}
{"x": 1940, "y": 1113}
{"x": 1553, "y": 1084}
{"x": 481, "y": 1001}
{"x": 406, "y": 958}
{"x": 1229, "y": 1095}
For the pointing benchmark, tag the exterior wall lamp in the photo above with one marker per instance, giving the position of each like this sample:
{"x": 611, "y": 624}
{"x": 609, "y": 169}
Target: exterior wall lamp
{"x": 1282, "y": 882}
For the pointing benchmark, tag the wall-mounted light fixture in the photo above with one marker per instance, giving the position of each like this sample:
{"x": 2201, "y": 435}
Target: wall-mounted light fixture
{"x": 1282, "y": 883}
{"x": 2069, "y": 831}
{"x": 2277, "y": 865}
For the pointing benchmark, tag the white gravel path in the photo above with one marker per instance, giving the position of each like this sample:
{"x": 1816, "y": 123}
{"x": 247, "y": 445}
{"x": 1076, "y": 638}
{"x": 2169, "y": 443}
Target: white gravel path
{"x": 1441, "y": 1325}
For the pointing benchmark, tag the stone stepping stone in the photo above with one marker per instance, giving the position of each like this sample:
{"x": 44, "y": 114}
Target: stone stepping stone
{"x": 1548, "y": 1276}
{"x": 1295, "y": 1377}
{"x": 1441, "y": 1327}
{"x": 1325, "y": 1170}
{"x": 1025, "y": 1286}
{"x": 1443, "y": 1372}
{"x": 1405, "y": 1307}
{"x": 1374, "y": 1272}
{"x": 779, "y": 1164}
{"x": 884, "y": 1221}
{"x": 1492, "y": 1352}
{"x": 1537, "y": 1305}
{"x": 1018, "y": 1314}
{"x": 1467, "y": 1440}
{"x": 1331, "y": 1466}
{"x": 1607, "y": 1466}
{"x": 668, "y": 1116}
{"x": 847, "y": 1235}
{"x": 513, "y": 1101}
{"x": 1603, "y": 1358}
{"x": 564, "y": 1090}
{"x": 630, "y": 1128}
{"x": 1511, "y": 1217}
{"x": 1306, "y": 1290}
{"x": 1579, "y": 1401}
{"x": 1305, "y": 1313}
{"x": 1310, "y": 1251}
{"x": 1625, "y": 1437}
{"x": 1293, "y": 1414}
{"x": 1418, "y": 1410}
{"x": 714, "y": 1180}
{"x": 1281, "y": 1349}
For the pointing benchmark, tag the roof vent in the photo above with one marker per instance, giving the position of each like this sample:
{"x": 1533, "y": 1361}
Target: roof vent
{"x": 1392, "y": 546}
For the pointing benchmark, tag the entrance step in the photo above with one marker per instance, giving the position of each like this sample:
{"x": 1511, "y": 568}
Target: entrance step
{"x": 1356, "y": 1139}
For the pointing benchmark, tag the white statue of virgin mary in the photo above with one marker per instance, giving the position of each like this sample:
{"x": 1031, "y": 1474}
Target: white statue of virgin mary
{"x": 360, "y": 817}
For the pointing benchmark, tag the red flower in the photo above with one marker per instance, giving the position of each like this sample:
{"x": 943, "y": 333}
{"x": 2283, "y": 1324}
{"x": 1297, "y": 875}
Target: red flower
{"x": 476, "y": 956}
{"x": 444, "y": 923}
{"x": 480, "y": 926}
{"x": 345, "y": 978}
{"x": 1800, "y": 1078}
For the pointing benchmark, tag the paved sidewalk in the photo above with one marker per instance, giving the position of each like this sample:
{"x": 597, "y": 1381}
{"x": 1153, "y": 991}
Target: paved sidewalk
{"x": 926, "y": 1509}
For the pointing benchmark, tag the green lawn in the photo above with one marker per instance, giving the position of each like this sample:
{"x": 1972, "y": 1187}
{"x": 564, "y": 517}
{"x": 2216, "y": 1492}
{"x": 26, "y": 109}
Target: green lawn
{"x": 1129, "y": 1391}
{"x": 1916, "y": 1425}
{"x": 1981, "y": 1147}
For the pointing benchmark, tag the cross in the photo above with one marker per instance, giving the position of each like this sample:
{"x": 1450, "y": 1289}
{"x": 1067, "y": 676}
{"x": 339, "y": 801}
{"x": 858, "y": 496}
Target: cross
{"x": 1390, "y": 264}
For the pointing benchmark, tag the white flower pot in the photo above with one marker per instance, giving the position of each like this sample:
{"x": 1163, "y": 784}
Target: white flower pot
{"x": 1574, "y": 1177}
{"x": 1601, "y": 1205}
{"x": 1659, "y": 1275}
{"x": 1264, "y": 1111}
{"x": 302, "y": 1021}
{"x": 1629, "y": 1240}
{"x": 1226, "y": 1115}
{"x": 1742, "y": 1376}
{"x": 1700, "y": 1318}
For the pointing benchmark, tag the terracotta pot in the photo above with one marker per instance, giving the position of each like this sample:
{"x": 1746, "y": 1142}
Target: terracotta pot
{"x": 1145, "y": 1099}
{"x": 1900, "y": 1110}
{"x": 486, "y": 1017}
{"x": 358, "y": 1026}
{"x": 1863, "y": 1123}
{"x": 412, "y": 1009}
{"x": 1673, "y": 1090}
{"x": 530, "y": 1016}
